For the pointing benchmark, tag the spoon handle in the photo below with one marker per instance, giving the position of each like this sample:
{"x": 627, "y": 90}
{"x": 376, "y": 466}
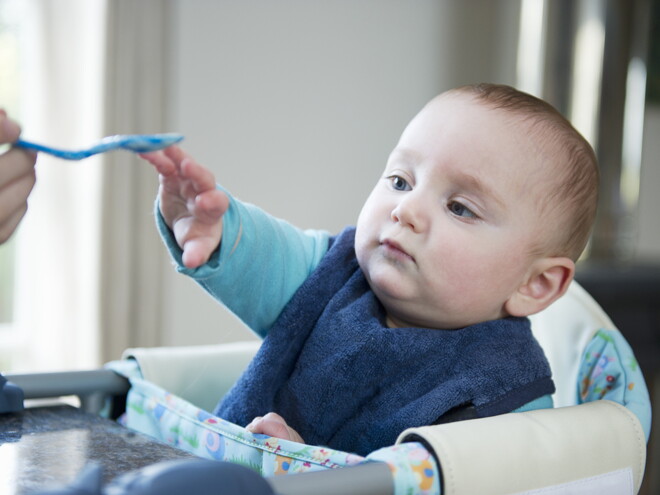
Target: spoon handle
{"x": 60, "y": 153}
{"x": 138, "y": 143}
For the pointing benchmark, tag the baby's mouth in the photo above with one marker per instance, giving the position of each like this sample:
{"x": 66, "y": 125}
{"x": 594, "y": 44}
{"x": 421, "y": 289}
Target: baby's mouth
{"x": 395, "y": 250}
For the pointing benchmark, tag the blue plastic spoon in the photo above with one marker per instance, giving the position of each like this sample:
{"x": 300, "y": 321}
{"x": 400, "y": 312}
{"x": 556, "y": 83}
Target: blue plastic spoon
{"x": 139, "y": 143}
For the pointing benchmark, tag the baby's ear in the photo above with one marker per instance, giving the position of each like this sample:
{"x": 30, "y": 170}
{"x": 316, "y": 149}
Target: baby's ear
{"x": 547, "y": 280}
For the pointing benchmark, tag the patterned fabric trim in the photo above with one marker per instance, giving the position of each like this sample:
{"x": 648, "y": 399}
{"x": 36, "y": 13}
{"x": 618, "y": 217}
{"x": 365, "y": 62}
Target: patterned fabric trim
{"x": 153, "y": 411}
{"x": 610, "y": 371}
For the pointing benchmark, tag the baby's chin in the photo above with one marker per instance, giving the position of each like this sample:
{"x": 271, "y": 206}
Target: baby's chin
{"x": 393, "y": 321}
{"x": 399, "y": 315}
{"x": 406, "y": 307}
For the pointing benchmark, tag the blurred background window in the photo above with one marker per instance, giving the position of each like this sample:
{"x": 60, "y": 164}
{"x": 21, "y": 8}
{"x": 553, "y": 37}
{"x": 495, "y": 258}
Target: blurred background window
{"x": 11, "y": 12}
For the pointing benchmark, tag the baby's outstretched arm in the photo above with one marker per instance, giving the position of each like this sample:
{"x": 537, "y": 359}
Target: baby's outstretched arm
{"x": 190, "y": 203}
{"x": 273, "y": 425}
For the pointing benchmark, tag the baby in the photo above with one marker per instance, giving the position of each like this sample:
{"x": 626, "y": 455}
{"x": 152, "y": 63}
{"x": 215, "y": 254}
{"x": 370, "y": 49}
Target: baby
{"x": 418, "y": 314}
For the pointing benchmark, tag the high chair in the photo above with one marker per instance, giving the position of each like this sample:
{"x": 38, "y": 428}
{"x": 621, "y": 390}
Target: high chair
{"x": 593, "y": 441}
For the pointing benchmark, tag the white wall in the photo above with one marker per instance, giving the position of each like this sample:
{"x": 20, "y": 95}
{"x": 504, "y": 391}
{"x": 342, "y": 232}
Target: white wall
{"x": 296, "y": 104}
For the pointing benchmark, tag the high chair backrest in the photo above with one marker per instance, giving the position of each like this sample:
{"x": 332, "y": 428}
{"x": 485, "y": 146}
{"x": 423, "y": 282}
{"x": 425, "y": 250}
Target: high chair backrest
{"x": 564, "y": 330}
{"x": 589, "y": 357}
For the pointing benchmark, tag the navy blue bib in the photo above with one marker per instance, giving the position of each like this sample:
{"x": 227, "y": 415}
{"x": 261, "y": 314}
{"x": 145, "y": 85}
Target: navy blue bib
{"x": 341, "y": 378}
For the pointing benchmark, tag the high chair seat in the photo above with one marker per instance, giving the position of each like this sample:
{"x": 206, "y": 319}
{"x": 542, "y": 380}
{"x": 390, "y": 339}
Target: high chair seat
{"x": 593, "y": 440}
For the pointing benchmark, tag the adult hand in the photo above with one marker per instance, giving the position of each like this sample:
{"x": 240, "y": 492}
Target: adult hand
{"x": 17, "y": 178}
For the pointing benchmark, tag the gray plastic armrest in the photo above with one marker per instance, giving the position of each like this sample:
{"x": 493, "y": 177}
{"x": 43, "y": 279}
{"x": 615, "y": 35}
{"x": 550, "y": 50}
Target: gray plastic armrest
{"x": 91, "y": 386}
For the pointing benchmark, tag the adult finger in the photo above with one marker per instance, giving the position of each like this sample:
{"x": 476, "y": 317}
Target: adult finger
{"x": 9, "y": 224}
{"x": 9, "y": 130}
{"x": 14, "y": 187}
{"x": 15, "y": 164}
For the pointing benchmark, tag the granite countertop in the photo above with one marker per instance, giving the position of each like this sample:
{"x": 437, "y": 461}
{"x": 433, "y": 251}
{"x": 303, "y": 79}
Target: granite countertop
{"x": 47, "y": 447}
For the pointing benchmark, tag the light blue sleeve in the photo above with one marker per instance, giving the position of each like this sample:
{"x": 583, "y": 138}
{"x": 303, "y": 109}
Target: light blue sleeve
{"x": 544, "y": 402}
{"x": 260, "y": 264}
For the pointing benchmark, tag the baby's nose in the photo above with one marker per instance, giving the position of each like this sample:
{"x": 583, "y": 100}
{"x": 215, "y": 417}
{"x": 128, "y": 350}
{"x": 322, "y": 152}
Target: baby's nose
{"x": 411, "y": 213}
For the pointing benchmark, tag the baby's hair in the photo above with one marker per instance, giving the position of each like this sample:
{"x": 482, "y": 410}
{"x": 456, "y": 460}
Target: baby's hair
{"x": 574, "y": 196}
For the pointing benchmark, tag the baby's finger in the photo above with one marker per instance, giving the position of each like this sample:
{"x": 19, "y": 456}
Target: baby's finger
{"x": 197, "y": 251}
{"x": 161, "y": 162}
{"x": 176, "y": 154}
{"x": 210, "y": 205}
{"x": 275, "y": 429}
{"x": 201, "y": 178}
{"x": 253, "y": 424}
{"x": 273, "y": 416}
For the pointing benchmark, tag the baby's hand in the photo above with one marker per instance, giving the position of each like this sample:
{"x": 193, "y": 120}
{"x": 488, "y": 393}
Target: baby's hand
{"x": 190, "y": 204}
{"x": 273, "y": 425}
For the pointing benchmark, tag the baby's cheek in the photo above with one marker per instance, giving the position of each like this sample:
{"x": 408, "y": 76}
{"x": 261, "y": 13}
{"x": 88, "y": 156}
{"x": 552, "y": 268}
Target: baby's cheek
{"x": 462, "y": 281}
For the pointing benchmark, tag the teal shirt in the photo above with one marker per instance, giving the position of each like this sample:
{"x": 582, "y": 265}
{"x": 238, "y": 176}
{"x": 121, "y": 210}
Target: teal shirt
{"x": 259, "y": 265}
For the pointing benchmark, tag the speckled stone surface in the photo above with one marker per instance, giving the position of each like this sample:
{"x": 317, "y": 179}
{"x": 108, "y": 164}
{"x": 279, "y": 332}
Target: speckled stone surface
{"x": 47, "y": 447}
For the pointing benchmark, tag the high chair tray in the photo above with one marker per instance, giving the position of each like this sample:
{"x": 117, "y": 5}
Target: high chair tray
{"x": 45, "y": 447}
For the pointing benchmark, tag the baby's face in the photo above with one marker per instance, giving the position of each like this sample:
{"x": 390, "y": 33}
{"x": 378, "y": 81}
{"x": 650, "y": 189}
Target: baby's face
{"x": 446, "y": 236}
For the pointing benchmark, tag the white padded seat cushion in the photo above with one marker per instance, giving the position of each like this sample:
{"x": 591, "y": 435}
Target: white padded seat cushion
{"x": 201, "y": 375}
{"x": 564, "y": 330}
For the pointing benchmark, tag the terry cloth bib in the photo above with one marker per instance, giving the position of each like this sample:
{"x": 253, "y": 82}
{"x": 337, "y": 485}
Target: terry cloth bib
{"x": 340, "y": 377}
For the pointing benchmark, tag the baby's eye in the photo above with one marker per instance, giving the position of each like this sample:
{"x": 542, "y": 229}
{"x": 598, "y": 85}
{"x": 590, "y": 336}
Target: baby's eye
{"x": 399, "y": 184}
{"x": 460, "y": 210}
